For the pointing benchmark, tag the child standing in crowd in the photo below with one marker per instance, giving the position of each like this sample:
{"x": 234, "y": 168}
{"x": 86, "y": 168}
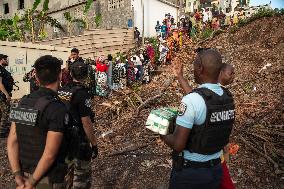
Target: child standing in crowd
{"x": 158, "y": 28}
{"x": 226, "y": 77}
{"x": 227, "y": 74}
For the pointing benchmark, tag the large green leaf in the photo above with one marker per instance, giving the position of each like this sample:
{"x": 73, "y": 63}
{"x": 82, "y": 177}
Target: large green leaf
{"x": 88, "y": 6}
{"x": 67, "y": 16}
{"x": 54, "y": 23}
{"x": 3, "y": 33}
{"x": 45, "y": 5}
{"x": 35, "y": 5}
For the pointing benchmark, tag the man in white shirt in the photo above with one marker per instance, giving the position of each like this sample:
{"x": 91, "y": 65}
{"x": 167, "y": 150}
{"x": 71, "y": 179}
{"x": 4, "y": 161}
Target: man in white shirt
{"x": 137, "y": 61}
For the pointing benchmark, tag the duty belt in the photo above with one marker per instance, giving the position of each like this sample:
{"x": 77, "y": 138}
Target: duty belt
{"x": 206, "y": 164}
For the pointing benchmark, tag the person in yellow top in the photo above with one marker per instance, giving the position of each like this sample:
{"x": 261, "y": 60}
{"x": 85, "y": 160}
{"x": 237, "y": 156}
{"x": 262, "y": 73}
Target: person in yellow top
{"x": 235, "y": 19}
{"x": 227, "y": 21}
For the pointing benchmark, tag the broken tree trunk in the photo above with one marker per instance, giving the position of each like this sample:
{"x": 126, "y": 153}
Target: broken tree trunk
{"x": 166, "y": 84}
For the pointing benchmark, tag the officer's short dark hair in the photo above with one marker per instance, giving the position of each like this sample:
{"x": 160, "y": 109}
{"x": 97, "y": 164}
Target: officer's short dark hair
{"x": 79, "y": 70}
{"x": 47, "y": 69}
{"x": 75, "y": 50}
{"x": 3, "y": 56}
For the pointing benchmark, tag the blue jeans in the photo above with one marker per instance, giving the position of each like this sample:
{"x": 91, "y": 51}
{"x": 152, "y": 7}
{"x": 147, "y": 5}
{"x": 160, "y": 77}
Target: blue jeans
{"x": 193, "y": 178}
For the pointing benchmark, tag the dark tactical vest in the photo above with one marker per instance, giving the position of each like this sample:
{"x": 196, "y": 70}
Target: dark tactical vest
{"x": 213, "y": 135}
{"x": 32, "y": 131}
{"x": 7, "y": 80}
{"x": 78, "y": 142}
{"x": 66, "y": 94}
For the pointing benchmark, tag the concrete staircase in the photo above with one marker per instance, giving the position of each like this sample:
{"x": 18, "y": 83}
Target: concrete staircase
{"x": 95, "y": 43}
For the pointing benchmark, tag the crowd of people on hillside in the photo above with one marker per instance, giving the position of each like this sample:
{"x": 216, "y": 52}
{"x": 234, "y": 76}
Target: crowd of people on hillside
{"x": 196, "y": 22}
{"x": 108, "y": 73}
{"x": 171, "y": 33}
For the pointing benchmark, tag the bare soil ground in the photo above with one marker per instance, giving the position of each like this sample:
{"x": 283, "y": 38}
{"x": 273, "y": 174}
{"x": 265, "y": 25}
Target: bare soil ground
{"x": 133, "y": 157}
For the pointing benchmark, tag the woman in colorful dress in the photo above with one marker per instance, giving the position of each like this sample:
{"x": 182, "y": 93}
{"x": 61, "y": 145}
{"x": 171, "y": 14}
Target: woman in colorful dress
{"x": 130, "y": 71}
{"x": 102, "y": 82}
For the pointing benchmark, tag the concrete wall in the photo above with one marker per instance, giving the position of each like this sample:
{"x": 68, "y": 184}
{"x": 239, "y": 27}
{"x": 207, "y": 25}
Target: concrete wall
{"x": 22, "y": 56}
{"x": 154, "y": 10}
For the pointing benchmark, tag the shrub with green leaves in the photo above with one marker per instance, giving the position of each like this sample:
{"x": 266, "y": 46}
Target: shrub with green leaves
{"x": 207, "y": 33}
{"x": 233, "y": 29}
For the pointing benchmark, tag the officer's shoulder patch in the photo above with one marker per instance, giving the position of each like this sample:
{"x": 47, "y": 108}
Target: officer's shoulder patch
{"x": 182, "y": 109}
{"x": 88, "y": 103}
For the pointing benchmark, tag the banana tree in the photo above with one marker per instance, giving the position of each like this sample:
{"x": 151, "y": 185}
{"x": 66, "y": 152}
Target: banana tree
{"x": 40, "y": 17}
{"x": 10, "y": 29}
{"x": 86, "y": 11}
{"x": 71, "y": 20}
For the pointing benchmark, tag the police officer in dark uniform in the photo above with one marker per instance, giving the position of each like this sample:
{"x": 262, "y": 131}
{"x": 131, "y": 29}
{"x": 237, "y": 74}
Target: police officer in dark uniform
{"x": 76, "y": 96}
{"x": 203, "y": 126}
{"x": 36, "y": 143}
{"x": 6, "y": 87}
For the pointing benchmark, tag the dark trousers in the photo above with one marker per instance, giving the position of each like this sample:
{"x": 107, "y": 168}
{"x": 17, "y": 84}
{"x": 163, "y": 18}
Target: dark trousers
{"x": 196, "y": 178}
{"x": 4, "y": 115}
{"x": 139, "y": 73}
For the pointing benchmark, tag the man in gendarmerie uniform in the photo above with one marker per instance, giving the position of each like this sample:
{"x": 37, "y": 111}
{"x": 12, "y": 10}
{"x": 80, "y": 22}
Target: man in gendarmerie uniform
{"x": 78, "y": 100}
{"x": 203, "y": 127}
{"x": 36, "y": 144}
{"x": 6, "y": 88}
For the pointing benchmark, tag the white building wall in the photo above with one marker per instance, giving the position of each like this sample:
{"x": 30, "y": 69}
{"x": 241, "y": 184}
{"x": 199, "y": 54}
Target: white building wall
{"x": 154, "y": 10}
{"x": 21, "y": 58}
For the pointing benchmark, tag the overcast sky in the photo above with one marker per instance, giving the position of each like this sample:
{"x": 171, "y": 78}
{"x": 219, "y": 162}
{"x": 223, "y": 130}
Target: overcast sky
{"x": 275, "y": 3}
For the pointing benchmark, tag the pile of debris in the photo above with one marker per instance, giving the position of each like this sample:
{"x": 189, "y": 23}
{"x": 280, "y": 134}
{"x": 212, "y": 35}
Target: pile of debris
{"x": 131, "y": 152}
{"x": 133, "y": 157}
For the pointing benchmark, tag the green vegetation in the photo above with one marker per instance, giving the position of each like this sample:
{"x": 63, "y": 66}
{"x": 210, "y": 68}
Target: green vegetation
{"x": 207, "y": 33}
{"x": 32, "y": 23}
{"x": 98, "y": 20}
{"x": 31, "y": 26}
{"x": 71, "y": 20}
{"x": 261, "y": 14}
